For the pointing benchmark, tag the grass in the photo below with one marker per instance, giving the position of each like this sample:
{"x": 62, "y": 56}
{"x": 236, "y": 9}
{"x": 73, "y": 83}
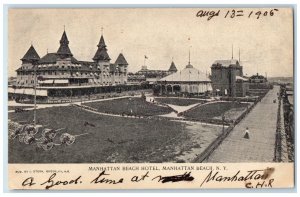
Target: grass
{"x": 125, "y": 105}
{"x": 131, "y": 140}
{"x": 216, "y": 110}
{"x": 179, "y": 101}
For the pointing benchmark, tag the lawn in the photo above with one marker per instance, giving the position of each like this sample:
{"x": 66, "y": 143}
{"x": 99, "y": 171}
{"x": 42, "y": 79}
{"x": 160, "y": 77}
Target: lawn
{"x": 113, "y": 139}
{"x": 231, "y": 110}
{"x": 179, "y": 101}
{"x": 138, "y": 106}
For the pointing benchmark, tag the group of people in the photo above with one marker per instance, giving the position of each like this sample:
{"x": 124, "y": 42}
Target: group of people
{"x": 27, "y": 135}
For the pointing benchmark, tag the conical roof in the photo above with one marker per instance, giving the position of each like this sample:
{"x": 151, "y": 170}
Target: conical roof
{"x": 101, "y": 42}
{"x": 101, "y": 53}
{"x": 64, "y": 49}
{"x": 121, "y": 60}
{"x": 188, "y": 74}
{"x": 31, "y": 55}
{"x": 173, "y": 67}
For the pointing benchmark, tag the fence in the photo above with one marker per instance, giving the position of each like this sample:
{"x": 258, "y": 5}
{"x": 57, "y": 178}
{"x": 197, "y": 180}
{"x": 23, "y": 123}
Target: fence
{"x": 278, "y": 138}
{"x": 60, "y": 100}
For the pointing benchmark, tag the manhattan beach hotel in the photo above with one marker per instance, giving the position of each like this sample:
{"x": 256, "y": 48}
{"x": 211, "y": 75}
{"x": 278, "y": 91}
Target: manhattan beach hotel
{"x": 61, "y": 74}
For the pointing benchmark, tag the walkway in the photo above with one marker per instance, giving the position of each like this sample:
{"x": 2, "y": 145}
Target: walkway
{"x": 262, "y": 126}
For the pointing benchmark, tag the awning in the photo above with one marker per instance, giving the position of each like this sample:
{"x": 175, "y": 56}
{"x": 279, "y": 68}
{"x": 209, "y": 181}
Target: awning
{"x": 61, "y": 81}
{"x": 27, "y": 91}
{"x": 48, "y": 81}
{"x": 17, "y": 90}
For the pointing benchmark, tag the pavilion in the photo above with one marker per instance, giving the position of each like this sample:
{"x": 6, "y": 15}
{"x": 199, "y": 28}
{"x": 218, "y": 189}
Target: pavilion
{"x": 187, "y": 81}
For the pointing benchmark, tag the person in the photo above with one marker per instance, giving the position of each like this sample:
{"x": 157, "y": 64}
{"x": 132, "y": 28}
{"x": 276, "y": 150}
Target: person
{"x": 247, "y": 133}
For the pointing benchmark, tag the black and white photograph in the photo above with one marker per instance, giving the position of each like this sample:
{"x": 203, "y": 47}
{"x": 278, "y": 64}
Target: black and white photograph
{"x": 151, "y": 85}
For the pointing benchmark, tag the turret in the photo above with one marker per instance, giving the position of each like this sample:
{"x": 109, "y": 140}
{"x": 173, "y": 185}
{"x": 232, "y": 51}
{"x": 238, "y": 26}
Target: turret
{"x": 64, "y": 50}
{"x": 31, "y": 56}
{"x": 173, "y": 68}
{"x": 101, "y": 54}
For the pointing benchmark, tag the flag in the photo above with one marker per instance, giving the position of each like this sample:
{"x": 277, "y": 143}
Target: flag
{"x": 146, "y": 57}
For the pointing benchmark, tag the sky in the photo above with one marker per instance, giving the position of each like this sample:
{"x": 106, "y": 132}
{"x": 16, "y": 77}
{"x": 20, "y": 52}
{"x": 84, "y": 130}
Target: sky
{"x": 162, "y": 34}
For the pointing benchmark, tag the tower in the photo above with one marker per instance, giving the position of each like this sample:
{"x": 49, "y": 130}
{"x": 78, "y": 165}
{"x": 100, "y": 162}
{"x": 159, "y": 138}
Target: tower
{"x": 121, "y": 61}
{"x": 101, "y": 53}
{"x": 31, "y": 56}
{"x": 64, "y": 51}
{"x": 122, "y": 64}
{"x": 102, "y": 59}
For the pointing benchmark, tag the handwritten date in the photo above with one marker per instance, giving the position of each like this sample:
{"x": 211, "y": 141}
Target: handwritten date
{"x": 234, "y": 13}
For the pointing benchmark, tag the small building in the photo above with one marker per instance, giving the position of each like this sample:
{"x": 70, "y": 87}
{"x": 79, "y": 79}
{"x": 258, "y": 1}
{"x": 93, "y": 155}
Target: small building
{"x": 158, "y": 74}
{"x": 227, "y": 78}
{"x": 188, "y": 81}
{"x": 258, "y": 79}
{"x": 258, "y": 85}
{"x": 242, "y": 86}
{"x": 150, "y": 77}
{"x": 136, "y": 79}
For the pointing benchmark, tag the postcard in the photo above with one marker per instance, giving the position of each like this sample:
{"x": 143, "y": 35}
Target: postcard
{"x": 150, "y": 98}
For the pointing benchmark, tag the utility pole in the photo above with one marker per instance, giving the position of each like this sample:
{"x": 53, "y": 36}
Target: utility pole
{"x": 223, "y": 121}
{"x": 34, "y": 111}
{"x": 232, "y": 51}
